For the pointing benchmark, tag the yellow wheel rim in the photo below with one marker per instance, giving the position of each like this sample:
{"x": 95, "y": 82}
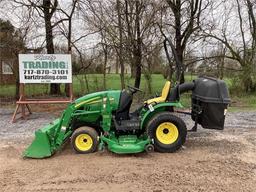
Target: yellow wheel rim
{"x": 84, "y": 142}
{"x": 167, "y": 133}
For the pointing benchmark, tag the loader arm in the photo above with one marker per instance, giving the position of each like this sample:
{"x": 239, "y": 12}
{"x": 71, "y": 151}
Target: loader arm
{"x": 50, "y": 138}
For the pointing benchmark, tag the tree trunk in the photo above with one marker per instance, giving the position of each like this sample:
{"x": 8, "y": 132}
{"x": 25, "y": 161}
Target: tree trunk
{"x": 55, "y": 88}
{"x": 67, "y": 87}
{"x": 16, "y": 74}
{"x": 17, "y": 89}
{"x": 137, "y": 75}
{"x": 105, "y": 65}
{"x": 148, "y": 79}
{"x": 86, "y": 82}
{"x": 222, "y": 68}
{"x": 117, "y": 65}
{"x": 179, "y": 50}
{"x": 133, "y": 68}
{"x": 120, "y": 51}
{"x": 147, "y": 75}
{"x": 170, "y": 71}
{"x": 138, "y": 51}
{"x": 184, "y": 27}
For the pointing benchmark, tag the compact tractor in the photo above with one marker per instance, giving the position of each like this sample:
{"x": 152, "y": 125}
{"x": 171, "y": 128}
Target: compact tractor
{"x": 103, "y": 120}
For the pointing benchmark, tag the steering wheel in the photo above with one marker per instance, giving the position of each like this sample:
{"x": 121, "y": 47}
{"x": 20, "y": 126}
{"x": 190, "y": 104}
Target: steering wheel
{"x": 133, "y": 89}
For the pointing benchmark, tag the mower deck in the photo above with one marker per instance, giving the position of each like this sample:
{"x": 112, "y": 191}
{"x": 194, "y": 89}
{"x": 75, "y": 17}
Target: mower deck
{"x": 126, "y": 144}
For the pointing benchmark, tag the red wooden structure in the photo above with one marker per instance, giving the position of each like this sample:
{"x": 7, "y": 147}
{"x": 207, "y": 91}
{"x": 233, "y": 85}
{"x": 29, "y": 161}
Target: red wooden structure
{"x": 23, "y": 103}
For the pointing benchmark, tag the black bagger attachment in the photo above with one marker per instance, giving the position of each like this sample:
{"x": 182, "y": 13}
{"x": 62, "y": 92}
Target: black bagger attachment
{"x": 209, "y": 99}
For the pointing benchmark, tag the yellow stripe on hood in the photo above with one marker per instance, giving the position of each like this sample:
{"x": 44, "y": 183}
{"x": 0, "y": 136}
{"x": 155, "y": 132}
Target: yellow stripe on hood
{"x": 87, "y": 101}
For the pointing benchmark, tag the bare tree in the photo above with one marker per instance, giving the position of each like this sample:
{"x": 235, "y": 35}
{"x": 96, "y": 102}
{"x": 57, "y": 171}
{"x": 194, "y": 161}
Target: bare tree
{"x": 120, "y": 46}
{"x": 241, "y": 42}
{"x": 46, "y": 10}
{"x": 101, "y": 20}
{"x": 106, "y": 52}
{"x": 67, "y": 31}
{"x": 183, "y": 19}
{"x": 140, "y": 18}
{"x": 130, "y": 26}
{"x": 133, "y": 11}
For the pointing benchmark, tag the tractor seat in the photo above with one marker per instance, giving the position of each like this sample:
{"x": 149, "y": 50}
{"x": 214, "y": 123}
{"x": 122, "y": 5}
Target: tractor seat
{"x": 163, "y": 96}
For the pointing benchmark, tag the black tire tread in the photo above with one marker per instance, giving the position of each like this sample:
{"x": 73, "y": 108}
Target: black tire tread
{"x": 163, "y": 117}
{"x": 88, "y": 130}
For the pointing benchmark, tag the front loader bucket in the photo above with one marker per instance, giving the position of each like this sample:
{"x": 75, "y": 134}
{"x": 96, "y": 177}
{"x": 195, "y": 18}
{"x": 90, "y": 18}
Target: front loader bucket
{"x": 44, "y": 143}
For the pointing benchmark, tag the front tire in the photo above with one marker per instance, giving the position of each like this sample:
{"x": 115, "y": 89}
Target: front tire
{"x": 168, "y": 131}
{"x": 84, "y": 140}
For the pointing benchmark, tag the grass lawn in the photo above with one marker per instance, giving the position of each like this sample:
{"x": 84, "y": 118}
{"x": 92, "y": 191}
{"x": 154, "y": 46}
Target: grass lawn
{"x": 95, "y": 83}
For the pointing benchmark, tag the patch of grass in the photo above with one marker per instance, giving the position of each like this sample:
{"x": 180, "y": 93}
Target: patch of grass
{"x": 185, "y": 99}
{"x": 7, "y": 90}
{"x": 243, "y": 103}
{"x": 95, "y": 83}
{"x": 237, "y": 109}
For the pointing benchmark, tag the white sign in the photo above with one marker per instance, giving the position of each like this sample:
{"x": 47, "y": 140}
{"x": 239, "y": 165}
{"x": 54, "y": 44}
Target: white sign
{"x": 45, "y": 68}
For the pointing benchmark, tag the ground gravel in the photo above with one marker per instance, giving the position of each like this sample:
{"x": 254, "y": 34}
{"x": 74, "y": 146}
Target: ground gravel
{"x": 24, "y": 129}
{"x": 210, "y": 160}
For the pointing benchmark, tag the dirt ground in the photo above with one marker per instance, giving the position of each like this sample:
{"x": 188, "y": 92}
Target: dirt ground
{"x": 209, "y": 161}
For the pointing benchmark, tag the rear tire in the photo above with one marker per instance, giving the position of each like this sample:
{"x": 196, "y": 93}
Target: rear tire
{"x": 168, "y": 132}
{"x": 84, "y": 140}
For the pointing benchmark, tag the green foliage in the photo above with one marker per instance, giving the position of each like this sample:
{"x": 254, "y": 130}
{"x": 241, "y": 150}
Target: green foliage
{"x": 148, "y": 79}
{"x": 241, "y": 83}
{"x": 6, "y": 26}
{"x": 234, "y": 85}
{"x": 10, "y": 38}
